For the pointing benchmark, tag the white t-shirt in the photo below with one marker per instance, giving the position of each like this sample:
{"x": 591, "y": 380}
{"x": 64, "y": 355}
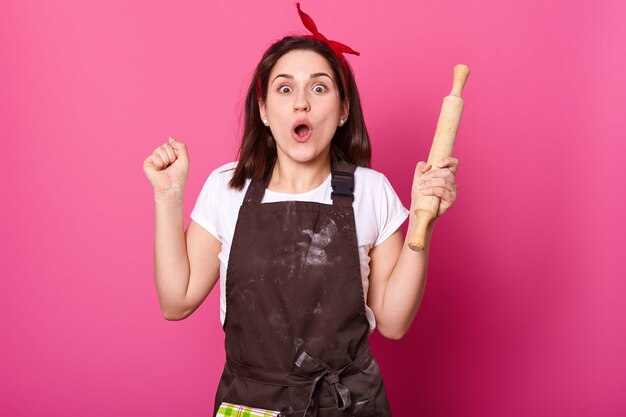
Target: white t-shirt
{"x": 378, "y": 213}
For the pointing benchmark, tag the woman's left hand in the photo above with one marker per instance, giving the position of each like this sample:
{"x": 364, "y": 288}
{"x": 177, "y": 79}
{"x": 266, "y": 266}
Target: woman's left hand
{"x": 438, "y": 181}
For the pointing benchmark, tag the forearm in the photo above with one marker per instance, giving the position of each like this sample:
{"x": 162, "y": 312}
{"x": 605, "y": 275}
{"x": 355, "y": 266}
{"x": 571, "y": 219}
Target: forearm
{"x": 171, "y": 263}
{"x": 406, "y": 285}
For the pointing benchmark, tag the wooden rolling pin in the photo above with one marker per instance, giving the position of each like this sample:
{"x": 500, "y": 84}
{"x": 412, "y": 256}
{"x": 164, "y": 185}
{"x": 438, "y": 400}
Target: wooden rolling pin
{"x": 447, "y": 126}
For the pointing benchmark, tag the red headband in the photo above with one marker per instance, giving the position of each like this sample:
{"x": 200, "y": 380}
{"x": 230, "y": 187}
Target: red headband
{"x": 338, "y": 48}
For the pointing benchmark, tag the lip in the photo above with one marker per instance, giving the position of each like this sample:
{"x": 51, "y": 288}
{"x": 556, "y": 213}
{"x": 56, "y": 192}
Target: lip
{"x": 298, "y": 138}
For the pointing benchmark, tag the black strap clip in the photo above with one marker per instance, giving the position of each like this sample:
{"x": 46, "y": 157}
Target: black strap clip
{"x": 343, "y": 184}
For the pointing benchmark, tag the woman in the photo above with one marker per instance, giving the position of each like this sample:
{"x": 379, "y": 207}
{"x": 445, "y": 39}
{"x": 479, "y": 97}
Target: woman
{"x": 305, "y": 236}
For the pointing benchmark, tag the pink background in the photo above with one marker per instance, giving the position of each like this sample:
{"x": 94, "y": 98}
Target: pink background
{"x": 524, "y": 312}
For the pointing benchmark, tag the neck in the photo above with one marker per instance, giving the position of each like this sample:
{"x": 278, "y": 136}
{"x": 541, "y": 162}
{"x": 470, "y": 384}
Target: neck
{"x": 293, "y": 177}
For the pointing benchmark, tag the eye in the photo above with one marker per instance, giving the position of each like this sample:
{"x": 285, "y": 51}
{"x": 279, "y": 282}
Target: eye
{"x": 320, "y": 88}
{"x": 282, "y": 87}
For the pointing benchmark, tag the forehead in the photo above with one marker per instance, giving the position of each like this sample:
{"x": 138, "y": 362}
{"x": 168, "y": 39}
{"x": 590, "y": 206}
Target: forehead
{"x": 301, "y": 62}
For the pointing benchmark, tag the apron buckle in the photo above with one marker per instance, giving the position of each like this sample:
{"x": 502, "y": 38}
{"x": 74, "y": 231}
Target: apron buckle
{"x": 342, "y": 184}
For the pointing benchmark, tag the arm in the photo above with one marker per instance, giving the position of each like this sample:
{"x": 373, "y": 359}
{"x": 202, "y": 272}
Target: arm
{"x": 397, "y": 282}
{"x": 398, "y": 274}
{"x": 186, "y": 265}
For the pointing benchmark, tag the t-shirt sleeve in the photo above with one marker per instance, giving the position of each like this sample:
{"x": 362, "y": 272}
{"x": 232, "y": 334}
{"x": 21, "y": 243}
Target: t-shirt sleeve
{"x": 203, "y": 212}
{"x": 392, "y": 212}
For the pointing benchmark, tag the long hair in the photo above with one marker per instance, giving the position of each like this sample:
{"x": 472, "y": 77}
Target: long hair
{"x": 257, "y": 153}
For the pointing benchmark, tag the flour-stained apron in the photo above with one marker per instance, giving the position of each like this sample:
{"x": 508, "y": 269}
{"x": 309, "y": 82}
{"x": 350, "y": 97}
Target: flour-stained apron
{"x": 296, "y": 328}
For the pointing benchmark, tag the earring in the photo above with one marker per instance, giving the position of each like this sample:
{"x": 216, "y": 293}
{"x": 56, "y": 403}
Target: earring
{"x": 265, "y": 122}
{"x": 341, "y": 122}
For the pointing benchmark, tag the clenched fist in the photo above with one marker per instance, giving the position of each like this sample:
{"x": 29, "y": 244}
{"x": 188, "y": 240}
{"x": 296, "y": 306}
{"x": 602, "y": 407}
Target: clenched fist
{"x": 167, "y": 168}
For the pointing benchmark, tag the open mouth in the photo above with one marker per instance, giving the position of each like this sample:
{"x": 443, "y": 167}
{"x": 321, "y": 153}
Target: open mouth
{"x": 302, "y": 130}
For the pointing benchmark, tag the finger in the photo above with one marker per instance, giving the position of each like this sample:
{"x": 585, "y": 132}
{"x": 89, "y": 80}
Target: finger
{"x": 162, "y": 152}
{"x": 157, "y": 161}
{"x": 148, "y": 163}
{"x": 442, "y": 193}
{"x": 448, "y": 162}
{"x": 435, "y": 182}
{"x": 444, "y": 162}
{"x": 173, "y": 143}
{"x": 171, "y": 153}
{"x": 421, "y": 168}
{"x": 180, "y": 149}
{"x": 454, "y": 164}
{"x": 438, "y": 173}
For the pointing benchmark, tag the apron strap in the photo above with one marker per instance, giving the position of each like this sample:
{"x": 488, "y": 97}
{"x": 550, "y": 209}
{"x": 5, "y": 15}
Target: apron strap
{"x": 309, "y": 372}
{"x": 255, "y": 192}
{"x": 343, "y": 184}
{"x": 313, "y": 365}
{"x": 320, "y": 371}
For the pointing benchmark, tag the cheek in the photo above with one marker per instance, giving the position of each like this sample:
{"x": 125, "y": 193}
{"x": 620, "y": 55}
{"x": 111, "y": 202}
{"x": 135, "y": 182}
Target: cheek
{"x": 329, "y": 128}
{"x": 280, "y": 111}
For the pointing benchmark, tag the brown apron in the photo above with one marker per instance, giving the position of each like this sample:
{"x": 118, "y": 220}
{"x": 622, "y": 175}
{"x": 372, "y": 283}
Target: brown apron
{"x": 296, "y": 329}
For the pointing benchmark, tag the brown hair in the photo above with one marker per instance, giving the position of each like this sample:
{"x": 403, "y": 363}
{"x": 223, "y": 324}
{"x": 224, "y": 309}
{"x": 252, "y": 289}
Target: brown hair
{"x": 257, "y": 153}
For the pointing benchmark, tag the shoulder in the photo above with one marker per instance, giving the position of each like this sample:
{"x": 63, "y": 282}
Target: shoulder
{"x": 367, "y": 172}
{"x": 367, "y": 179}
{"x": 219, "y": 178}
{"x": 217, "y": 203}
{"x": 368, "y": 188}
{"x": 216, "y": 188}
{"x": 374, "y": 189}
{"x": 223, "y": 173}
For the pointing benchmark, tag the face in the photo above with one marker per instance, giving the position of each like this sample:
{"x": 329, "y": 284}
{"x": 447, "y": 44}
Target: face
{"x": 302, "y": 90}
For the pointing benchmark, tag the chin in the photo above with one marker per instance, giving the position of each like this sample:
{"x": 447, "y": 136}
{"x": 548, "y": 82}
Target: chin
{"x": 303, "y": 157}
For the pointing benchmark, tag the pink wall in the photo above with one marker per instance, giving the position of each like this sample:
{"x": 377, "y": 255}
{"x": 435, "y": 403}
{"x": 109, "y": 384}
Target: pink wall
{"x": 523, "y": 313}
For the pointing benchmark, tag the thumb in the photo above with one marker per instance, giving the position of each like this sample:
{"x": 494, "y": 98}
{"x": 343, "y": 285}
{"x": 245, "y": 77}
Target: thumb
{"x": 423, "y": 166}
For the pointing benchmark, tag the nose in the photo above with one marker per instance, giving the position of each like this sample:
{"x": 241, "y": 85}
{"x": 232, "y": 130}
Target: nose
{"x": 302, "y": 103}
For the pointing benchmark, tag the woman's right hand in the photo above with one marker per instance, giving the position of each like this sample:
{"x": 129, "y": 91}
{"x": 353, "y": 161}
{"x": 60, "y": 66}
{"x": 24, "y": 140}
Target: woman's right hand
{"x": 167, "y": 168}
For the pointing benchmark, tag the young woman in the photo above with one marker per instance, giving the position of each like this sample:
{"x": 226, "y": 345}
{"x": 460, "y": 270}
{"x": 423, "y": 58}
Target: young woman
{"x": 305, "y": 237}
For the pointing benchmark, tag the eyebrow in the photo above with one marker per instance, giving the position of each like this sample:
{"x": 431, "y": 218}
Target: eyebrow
{"x": 317, "y": 74}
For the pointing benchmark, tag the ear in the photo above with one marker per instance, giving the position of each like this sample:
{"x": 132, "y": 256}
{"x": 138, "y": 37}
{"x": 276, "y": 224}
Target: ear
{"x": 262, "y": 109}
{"x": 345, "y": 109}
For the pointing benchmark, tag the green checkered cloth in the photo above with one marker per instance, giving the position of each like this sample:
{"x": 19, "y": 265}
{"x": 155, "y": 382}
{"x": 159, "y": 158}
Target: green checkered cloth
{"x": 235, "y": 410}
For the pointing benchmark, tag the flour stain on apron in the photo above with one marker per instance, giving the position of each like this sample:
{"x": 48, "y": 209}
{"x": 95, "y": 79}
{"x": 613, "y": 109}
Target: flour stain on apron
{"x": 316, "y": 253}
